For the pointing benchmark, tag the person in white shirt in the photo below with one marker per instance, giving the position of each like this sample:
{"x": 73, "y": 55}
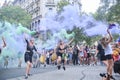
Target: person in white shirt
{"x": 108, "y": 54}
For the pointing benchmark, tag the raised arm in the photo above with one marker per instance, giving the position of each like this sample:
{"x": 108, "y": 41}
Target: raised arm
{"x": 26, "y": 39}
{"x": 70, "y": 42}
{"x": 4, "y": 43}
{"x": 110, "y": 37}
{"x": 36, "y": 50}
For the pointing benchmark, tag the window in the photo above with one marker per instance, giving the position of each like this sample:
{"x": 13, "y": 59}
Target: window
{"x": 50, "y": 1}
{"x": 32, "y": 24}
{"x": 50, "y": 9}
{"x": 37, "y": 13}
{"x": 38, "y": 22}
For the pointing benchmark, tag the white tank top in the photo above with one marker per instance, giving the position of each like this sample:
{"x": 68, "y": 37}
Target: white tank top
{"x": 108, "y": 50}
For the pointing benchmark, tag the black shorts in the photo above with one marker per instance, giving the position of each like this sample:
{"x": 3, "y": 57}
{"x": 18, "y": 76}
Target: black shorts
{"x": 28, "y": 57}
{"x": 108, "y": 57}
{"x": 105, "y": 57}
{"x": 62, "y": 61}
{"x": 102, "y": 57}
{"x": 88, "y": 55}
{"x": 59, "y": 54}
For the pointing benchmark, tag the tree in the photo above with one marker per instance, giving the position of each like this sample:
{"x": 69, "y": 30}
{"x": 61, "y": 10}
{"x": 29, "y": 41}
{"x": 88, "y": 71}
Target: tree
{"x": 115, "y": 36}
{"x": 79, "y": 34}
{"x": 61, "y": 4}
{"x": 15, "y": 14}
{"x": 90, "y": 40}
{"x": 108, "y": 11}
{"x": 113, "y": 14}
{"x": 101, "y": 12}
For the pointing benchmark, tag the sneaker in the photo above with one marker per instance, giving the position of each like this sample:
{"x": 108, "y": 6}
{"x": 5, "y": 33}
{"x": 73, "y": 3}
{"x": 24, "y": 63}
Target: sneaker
{"x": 64, "y": 67}
{"x": 29, "y": 74}
{"x": 26, "y": 77}
{"x": 102, "y": 74}
{"x": 45, "y": 65}
{"x": 112, "y": 77}
{"x": 58, "y": 67}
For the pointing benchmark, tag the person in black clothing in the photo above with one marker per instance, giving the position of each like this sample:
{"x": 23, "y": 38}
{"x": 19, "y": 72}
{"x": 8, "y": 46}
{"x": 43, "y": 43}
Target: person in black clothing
{"x": 3, "y": 45}
{"x": 101, "y": 52}
{"x": 75, "y": 55}
{"x": 61, "y": 55}
{"x": 101, "y": 55}
{"x": 28, "y": 55}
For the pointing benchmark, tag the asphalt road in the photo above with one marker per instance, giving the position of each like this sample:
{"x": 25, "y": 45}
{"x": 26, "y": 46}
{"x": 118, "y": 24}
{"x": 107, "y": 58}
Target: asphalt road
{"x": 51, "y": 73}
{"x": 17, "y": 72}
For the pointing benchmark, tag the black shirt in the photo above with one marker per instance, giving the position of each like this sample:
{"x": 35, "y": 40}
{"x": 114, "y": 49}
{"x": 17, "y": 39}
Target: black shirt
{"x": 30, "y": 48}
{"x": 100, "y": 49}
{"x": 59, "y": 49}
{"x": 75, "y": 51}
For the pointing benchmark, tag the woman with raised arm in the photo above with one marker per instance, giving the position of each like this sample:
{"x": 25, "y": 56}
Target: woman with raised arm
{"x": 30, "y": 48}
{"x": 108, "y": 54}
{"x": 61, "y": 56}
{"x": 3, "y": 45}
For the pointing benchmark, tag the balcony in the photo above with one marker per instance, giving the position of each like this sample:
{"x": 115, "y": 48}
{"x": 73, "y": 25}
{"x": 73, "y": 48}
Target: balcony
{"x": 37, "y": 1}
{"x": 36, "y": 9}
{"x": 32, "y": 3}
{"x": 50, "y": 4}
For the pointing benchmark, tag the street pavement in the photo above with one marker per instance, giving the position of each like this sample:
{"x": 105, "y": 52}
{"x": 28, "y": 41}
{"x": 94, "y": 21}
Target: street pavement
{"x": 9, "y": 73}
{"x": 71, "y": 73}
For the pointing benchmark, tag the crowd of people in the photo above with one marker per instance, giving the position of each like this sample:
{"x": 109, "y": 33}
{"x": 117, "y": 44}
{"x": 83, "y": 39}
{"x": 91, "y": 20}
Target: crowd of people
{"x": 65, "y": 53}
{"x": 82, "y": 55}
{"x": 76, "y": 55}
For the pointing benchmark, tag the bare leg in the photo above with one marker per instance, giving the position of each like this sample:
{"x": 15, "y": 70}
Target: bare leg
{"x": 110, "y": 66}
{"x": 64, "y": 62}
{"x": 106, "y": 63}
{"x": 59, "y": 62}
{"x": 28, "y": 67}
{"x": 110, "y": 62}
{"x": 20, "y": 62}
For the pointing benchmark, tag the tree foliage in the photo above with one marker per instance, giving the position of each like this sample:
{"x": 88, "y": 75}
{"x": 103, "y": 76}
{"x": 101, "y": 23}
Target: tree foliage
{"x": 101, "y": 12}
{"x": 109, "y": 11}
{"x": 15, "y": 14}
{"x": 115, "y": 36}
{"x": 61, "y": 4}
{"x": 79, "y": 34}
{"x": 113, "y": 14}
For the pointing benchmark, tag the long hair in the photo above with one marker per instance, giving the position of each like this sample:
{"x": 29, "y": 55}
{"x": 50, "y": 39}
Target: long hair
{"x": 103, "y": 42}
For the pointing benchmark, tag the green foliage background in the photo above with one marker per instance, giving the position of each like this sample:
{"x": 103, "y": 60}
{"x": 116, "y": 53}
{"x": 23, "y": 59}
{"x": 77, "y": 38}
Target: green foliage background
{"x": 15, "y": 14}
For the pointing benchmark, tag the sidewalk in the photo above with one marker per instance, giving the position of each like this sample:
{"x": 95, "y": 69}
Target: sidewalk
{"x": 71, "y": 73}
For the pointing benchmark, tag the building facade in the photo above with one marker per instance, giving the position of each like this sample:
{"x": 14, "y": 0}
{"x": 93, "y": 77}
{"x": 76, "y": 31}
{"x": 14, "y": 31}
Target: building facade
{"x": 38, "y": 9}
